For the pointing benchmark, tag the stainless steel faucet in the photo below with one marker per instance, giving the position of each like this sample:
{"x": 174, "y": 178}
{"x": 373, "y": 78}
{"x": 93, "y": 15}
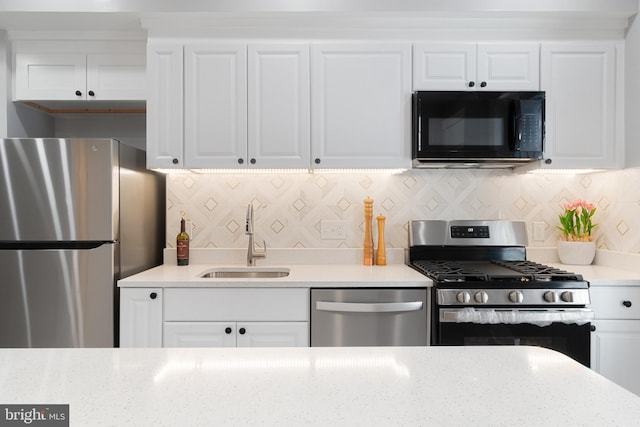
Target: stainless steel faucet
{"x": 252, "y": 253}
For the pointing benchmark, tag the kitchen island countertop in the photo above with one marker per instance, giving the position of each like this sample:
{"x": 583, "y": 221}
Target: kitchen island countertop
{"x": 370, "y": 386}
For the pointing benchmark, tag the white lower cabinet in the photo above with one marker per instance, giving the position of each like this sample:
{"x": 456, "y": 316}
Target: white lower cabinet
{"x": 141, "y": 317}
{"x": 615, "y": 340}
{"x": 220, "y": 317}
{"x": 236, "y": 334}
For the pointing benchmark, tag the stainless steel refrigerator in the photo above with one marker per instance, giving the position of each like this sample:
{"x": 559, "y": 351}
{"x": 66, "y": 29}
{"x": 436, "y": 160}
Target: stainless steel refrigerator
{"x": 76, "y": 215}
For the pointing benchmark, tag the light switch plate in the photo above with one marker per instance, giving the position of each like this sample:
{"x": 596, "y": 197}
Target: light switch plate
{"x": 332, "y": 230}
{"x": 538, "y": 231}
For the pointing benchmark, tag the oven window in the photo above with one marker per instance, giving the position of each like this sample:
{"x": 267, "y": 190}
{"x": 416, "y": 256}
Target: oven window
{"x": 570, "y": 339}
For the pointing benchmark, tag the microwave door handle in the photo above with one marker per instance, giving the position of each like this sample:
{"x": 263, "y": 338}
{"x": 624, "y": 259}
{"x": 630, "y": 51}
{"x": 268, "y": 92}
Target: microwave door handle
{"x": 516, "y": 120}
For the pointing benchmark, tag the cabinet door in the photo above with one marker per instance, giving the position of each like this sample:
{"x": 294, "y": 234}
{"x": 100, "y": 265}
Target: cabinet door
{"x": 116, "y": 77}
{"x": 444, "y": 66}
{"x": 141, "y": 317}
{"x": 164, "y": 105}
{"x": 615, "y": 351}
{"x": 580, "y": 85}
{"x": 199, "y": 334}
{"x": 215, "y": 105}
{"x": 50, "y": 77}
{"x": 508, "y": 67}
{"x": 273, "y": 334}
{"x": 278, "y": 85}
{"x": 361, "y": 105}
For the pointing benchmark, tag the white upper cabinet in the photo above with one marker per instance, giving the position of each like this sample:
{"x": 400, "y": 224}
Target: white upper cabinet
{"x": 476, "y": 66}
{"x": 165, "y": 105}
{"x": 361, "y": 105}
{"x": 215, "y": 105}
{"x": 279, "y": 110}
{"x": 583, "y": 99}
{"x": 80, "y": 76}
{"x": 243, "y": 105}
{"x": 508, "y": 66}
{"x": 116, "y": 76}
{"x": 51, "y": 76}
{"x": 444, "y": 66}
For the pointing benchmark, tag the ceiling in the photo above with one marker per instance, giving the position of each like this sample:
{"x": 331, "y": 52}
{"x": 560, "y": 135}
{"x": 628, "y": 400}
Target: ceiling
{"x": 128, "y": 15}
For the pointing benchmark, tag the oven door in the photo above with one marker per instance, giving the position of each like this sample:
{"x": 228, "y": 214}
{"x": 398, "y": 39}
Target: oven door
{"x": 566, "y": 331}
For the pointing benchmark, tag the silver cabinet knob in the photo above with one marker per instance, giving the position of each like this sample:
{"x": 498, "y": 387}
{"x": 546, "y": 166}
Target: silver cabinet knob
{"x": 463, "y": 297}
{"x": 481, "y": 297}
{"x": 566, "y": 296}
{"x": 550, "y": 296}
{"x": 516, "y": 296}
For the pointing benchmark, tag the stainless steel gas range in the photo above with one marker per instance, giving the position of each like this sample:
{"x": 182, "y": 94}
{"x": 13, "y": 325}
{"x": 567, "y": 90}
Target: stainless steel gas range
{"x": 486, "y": 292}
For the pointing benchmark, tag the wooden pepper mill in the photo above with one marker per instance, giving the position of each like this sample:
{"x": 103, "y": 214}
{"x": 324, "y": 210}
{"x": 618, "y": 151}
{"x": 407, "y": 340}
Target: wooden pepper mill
{"x": 368, "y": 236}
{"x": 381, "y": 253}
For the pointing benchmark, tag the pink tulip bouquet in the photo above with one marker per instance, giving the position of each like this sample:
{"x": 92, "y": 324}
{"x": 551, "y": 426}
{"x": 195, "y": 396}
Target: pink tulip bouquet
{"x": 575, "y": 221}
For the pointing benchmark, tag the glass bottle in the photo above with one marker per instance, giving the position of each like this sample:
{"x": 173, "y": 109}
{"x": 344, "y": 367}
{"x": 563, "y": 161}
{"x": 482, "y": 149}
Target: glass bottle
{"x": 182, "y": 245}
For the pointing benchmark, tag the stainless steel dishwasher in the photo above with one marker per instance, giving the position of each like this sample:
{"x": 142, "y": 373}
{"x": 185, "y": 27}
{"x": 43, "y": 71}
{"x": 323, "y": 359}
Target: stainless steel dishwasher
{"x": 369, "y": 317}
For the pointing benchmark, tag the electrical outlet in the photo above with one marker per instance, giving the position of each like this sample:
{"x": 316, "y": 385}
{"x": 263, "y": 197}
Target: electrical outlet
{"x": 538, "y": 231}
{"x": 332, "y": 230}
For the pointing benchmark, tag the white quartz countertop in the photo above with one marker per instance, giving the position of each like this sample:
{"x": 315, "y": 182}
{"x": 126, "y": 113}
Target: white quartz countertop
{"x": 368, "y": 386}
{"x": 300, "y": 275}
{"x": 343, "y": 268}
{"x": 609, "y": 268}
{"x": 599, "y": 275}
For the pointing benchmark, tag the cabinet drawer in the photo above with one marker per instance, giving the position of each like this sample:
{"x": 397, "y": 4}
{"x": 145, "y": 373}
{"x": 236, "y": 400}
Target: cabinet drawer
{"x": 246, "y": 304}
{"x": 616, "y": 302}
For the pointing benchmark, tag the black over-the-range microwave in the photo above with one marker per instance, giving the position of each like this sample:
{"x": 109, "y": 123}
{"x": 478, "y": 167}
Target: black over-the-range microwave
{"x": 477, "y": 129}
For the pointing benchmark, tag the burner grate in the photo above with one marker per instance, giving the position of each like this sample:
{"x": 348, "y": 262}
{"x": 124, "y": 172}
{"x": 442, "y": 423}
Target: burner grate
{"x": 508, "y": 272}
{"x": 449, "y": 271}
{"x": 539, "y": 272}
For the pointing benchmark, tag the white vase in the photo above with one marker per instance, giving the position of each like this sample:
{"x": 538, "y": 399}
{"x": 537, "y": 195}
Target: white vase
{"x": 576, "y": 253}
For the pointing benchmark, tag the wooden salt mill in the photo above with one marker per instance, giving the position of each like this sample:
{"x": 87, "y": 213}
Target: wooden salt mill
{"x": 381, "y": 253}
{"x": 368, "y": 236}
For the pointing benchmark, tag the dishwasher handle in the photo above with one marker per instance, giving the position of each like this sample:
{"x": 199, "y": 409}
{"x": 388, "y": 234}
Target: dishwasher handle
{"x": 362, "y": 307}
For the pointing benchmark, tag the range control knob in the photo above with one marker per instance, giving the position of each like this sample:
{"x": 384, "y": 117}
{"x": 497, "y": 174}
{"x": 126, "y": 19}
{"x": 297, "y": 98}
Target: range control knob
{"x": 550, "y": 296}
{"x": 516, "y": 296}
{"x": 566, "y": 296}
{"x": 463, "y": 297}
{"x": 481, "y": 297}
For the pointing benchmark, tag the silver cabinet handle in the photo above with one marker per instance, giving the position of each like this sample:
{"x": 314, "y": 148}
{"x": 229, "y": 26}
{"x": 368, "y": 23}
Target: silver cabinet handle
{"x": 361, "y": 307}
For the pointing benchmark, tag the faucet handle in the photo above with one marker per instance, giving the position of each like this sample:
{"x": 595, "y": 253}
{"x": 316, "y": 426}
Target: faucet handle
{"x": 262, "y": 252}
{"x": 248, "y": 227}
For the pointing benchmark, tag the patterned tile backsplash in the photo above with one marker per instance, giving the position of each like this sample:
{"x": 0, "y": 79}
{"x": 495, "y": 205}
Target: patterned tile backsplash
{"x": 289, "y": 207}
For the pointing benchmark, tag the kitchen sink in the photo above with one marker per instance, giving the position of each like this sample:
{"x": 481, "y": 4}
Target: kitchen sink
{"x": 246, "y": 273}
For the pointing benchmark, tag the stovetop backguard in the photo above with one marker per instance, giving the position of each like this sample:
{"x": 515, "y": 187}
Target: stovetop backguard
{"x": 468, "y": 233}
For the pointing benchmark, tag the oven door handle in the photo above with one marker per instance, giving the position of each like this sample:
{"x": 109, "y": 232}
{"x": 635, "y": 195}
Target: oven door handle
{"x": 541, "y": 318}
{"x": 359, "y": 307}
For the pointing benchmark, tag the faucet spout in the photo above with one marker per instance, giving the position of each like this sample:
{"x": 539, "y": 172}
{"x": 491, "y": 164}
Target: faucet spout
{"x": 252, "y": 253}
